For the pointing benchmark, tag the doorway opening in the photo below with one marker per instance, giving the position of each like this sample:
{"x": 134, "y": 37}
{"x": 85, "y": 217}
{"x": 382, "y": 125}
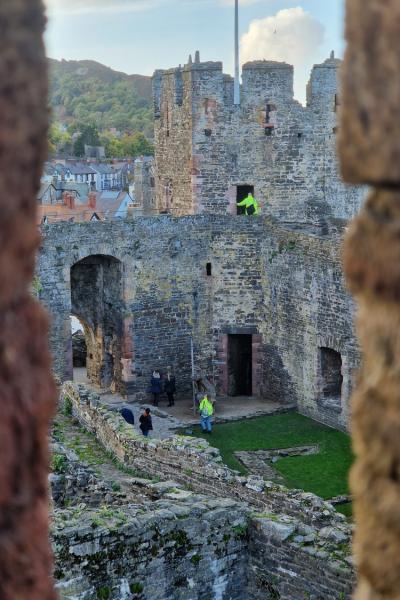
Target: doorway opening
{"x": 96, "y": 300}
{"x": 242, "y": 191}
{"x": 79, "y": 350}
{"x": 240, "y": 365}
{"x": 331, "y": 376}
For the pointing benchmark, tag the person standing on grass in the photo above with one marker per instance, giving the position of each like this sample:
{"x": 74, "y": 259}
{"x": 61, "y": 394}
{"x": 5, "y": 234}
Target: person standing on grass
{"x": 170, "y": 387}
{"x": 146, "y": 424}
{"x": 206, "y": 410}
{"x": 156, "y": 386}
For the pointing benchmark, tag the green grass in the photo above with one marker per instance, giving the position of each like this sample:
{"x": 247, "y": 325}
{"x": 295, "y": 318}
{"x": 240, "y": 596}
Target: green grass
{"x": 345, "y": 509}
{"x": 324, "y": 474}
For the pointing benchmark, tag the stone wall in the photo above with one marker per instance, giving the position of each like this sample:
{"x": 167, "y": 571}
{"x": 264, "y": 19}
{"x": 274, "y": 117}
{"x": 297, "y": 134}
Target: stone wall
{"x": 145, "y": 185}
{"x": 205, "y": 277}
{"x": 27, "y": 390}
{"x": 188, "y": 552}
{"x": 244, "y": 539}
{"x": 205, "y": 146}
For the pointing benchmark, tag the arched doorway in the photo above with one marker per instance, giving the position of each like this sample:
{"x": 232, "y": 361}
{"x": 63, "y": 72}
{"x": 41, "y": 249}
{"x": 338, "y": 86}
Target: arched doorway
{"x": 96, "y": 301}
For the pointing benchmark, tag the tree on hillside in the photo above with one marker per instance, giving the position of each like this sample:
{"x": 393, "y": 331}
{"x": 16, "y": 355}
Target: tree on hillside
{"x": 89, "y": 135}
{"x": 137, "y": 145}
{"x": 131, "y": 146}
{"x": 60, "y": 142}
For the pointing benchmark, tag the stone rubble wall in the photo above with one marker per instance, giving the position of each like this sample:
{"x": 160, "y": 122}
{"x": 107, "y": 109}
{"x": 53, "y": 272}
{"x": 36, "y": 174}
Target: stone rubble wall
{"x": 297, "y": 543}
{"x": 72, "y": 482}
{"x": 370, "y": 152}
{"x": 27, "y": 390}
{"x": 283, "y": 286}
{"x": 185, "y": 551}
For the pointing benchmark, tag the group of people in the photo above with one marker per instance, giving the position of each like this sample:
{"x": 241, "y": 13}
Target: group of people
{"x": 206, "y": 410}
{"x": 160, "y": 384}
{"x": 163, "y": 384}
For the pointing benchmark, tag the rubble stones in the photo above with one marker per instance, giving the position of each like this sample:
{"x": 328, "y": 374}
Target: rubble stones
{"x": 209, "y": 529}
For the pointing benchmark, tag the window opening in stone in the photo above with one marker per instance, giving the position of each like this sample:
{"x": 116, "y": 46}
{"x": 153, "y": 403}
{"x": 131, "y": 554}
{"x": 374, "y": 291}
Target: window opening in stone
{"x": 207, "y": 132}
{"x": 336, "y": 102}
{"x": 209, "y": 269}
{"x": 242, "y": 191}
{"x": 269, "y": 127}
{"x": 331, "y": 377}
{"x": 240, "y": 365}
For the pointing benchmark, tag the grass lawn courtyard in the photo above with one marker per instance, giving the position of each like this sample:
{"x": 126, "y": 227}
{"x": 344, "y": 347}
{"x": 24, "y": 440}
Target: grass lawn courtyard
{"x": 324, "y": 474}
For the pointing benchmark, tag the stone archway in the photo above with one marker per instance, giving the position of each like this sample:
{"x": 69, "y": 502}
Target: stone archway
{"x": 97, "y": 300}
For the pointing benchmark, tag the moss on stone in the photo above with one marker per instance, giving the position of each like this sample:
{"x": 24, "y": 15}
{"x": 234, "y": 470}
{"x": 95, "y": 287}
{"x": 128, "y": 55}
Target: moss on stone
{"x": 59, "y": 463}
{"x": 103, "y": 593}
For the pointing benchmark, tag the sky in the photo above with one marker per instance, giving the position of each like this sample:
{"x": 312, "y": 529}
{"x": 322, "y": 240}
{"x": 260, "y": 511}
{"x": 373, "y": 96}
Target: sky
{"x": 139, "y": 36}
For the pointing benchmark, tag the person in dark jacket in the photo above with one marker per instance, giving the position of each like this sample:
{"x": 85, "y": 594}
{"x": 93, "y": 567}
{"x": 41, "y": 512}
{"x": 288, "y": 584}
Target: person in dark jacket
{"x": 170, "y": 387}
{"x": 127, "y": 414}
{"x": 146, "y": 424}
{"x": 156, "y": 386}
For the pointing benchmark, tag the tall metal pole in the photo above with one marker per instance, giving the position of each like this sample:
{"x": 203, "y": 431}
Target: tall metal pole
{"x": 236, "y": 94}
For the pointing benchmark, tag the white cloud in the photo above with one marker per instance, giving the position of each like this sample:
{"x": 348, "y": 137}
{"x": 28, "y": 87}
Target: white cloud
{"x": 91, "y": 6}
{"x": 292, "y": 35}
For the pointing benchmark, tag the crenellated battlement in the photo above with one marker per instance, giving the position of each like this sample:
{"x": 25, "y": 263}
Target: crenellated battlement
{"x": 210, "y": 152}
{"x": 262, "y": 80}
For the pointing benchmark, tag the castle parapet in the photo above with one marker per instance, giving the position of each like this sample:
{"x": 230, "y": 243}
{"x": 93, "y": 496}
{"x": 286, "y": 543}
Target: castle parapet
{"x": 266, "y": 79}
{"x": 323, "y": 86}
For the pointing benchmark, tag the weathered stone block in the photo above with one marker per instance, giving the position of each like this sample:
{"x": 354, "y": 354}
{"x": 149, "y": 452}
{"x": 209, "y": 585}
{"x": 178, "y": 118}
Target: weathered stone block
{"x": 370, "y": 121}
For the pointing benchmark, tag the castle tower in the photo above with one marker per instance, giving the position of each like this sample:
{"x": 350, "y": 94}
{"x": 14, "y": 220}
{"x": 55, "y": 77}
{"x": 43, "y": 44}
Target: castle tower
{"x": 185, "y": 101}
{"x": 323, "y": 91}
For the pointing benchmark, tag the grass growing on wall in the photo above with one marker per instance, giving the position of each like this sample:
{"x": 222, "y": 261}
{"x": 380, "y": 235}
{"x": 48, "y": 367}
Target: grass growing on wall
{"x": 324, "y": 474}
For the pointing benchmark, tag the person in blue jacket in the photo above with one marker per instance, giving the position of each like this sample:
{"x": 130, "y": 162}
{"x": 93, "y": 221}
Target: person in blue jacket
{"x": 127, "y": 414}
{"x": 156, "y": 386}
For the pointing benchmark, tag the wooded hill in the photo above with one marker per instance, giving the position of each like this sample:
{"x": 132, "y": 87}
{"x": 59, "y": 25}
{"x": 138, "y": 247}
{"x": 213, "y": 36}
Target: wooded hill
{"x": 85, "y": 91}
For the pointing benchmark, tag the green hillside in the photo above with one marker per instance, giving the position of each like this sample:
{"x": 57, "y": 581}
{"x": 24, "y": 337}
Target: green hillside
{"x": 87, "y": 92}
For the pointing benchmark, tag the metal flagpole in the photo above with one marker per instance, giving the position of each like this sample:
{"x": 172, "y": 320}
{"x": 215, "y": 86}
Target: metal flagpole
{"x": 236, "y": 94}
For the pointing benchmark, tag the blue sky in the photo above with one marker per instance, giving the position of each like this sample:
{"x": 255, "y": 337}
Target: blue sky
{"x": 138, "y": 36}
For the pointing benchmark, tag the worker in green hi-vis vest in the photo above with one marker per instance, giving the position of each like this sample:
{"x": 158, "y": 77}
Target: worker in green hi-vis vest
{"x": 250, "y": 204}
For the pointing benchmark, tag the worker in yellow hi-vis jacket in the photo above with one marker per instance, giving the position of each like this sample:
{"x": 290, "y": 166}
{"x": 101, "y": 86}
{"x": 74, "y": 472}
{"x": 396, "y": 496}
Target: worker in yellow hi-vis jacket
{"x": 250, "y": 204}
{"x": 206, "y": 411}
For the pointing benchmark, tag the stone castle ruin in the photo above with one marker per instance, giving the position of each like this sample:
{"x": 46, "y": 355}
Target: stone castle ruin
{"x": 211, "y": 153}
{"x": 185, "y": 527}
{"x": 262, "y": 298}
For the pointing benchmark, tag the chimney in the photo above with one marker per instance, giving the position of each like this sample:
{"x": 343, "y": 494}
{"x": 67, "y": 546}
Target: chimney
{"x": 69, "y": 200}
{"x": 92, "y": 198}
